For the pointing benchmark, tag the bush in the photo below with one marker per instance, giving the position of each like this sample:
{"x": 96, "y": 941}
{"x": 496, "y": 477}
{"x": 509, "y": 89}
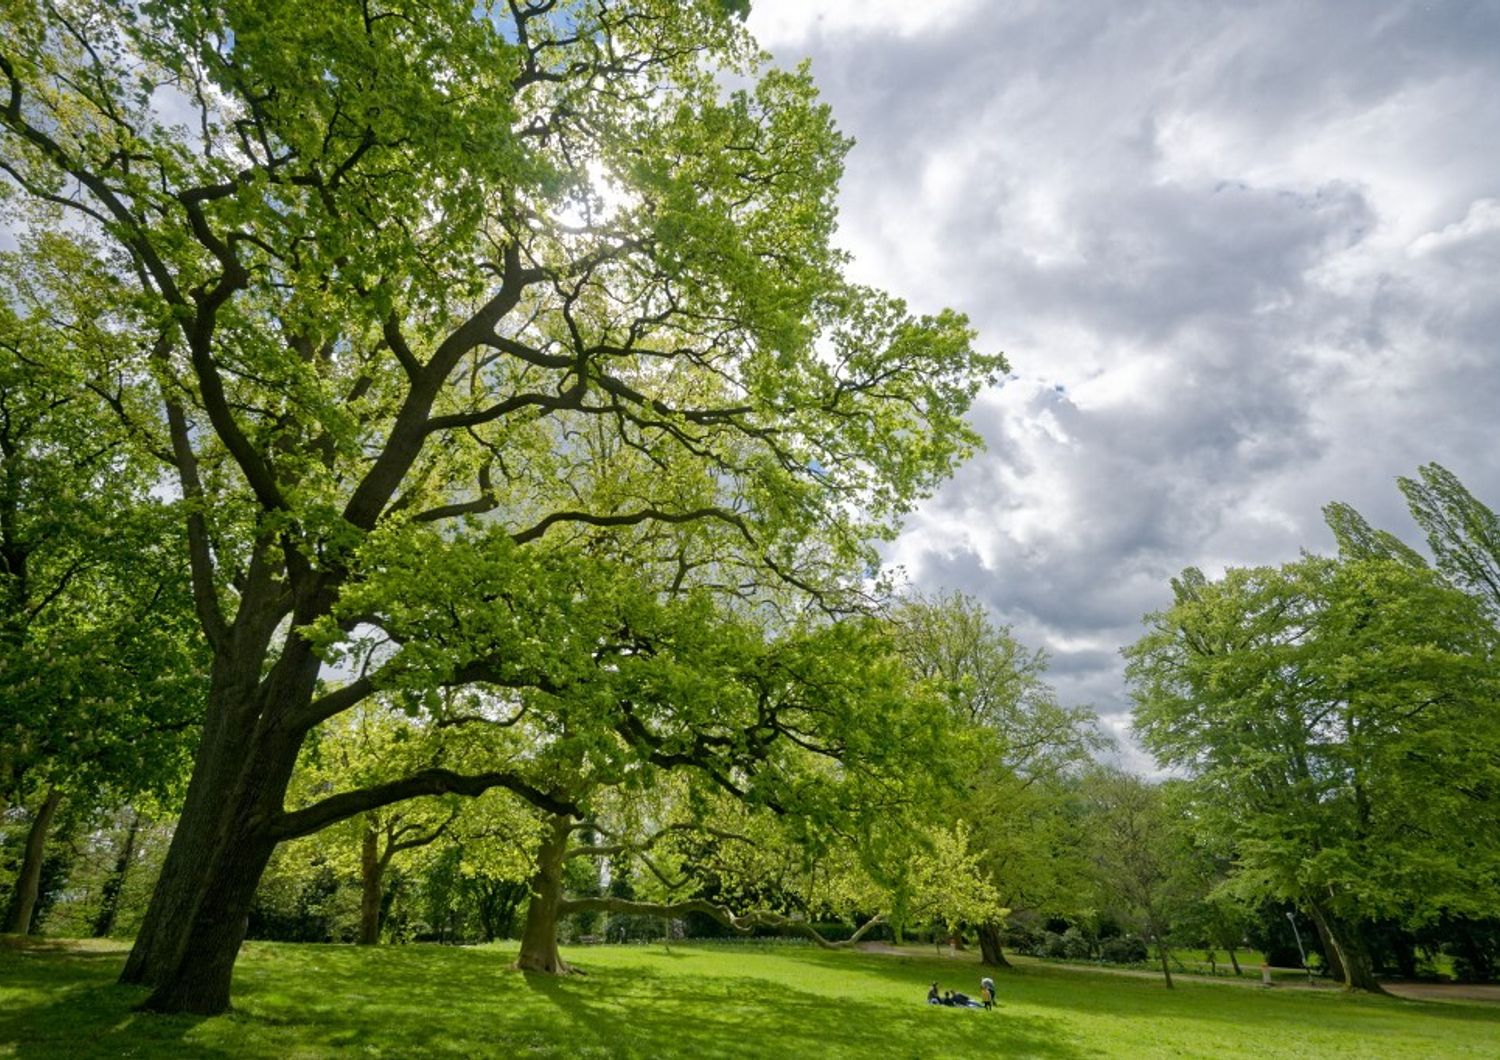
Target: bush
{"x": 1124, "y": 950}
{"x": 1075, "y": 946}
{"x": 1023, "y": 939}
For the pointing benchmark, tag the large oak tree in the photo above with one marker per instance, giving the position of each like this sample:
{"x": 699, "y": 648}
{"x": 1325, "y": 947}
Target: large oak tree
{"x": 396, "y": 275}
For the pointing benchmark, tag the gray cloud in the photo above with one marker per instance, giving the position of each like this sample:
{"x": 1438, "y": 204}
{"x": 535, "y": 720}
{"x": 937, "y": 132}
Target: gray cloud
{"x": 1242, "y": 257}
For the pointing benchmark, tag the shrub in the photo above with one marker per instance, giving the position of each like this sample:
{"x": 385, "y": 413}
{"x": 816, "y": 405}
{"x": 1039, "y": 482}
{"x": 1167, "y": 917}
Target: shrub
{"x": 1074, "y": 945}
{"x": 1124, "y": 950}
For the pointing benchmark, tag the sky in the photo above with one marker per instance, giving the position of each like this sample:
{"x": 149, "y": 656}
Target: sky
{"x": 1244, "y": 259}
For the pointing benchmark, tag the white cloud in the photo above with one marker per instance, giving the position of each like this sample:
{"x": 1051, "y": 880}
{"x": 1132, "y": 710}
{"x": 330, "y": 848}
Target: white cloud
{"x": 1242, "y": 258}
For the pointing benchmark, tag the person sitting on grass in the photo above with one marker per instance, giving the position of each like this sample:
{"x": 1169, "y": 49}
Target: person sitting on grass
{"x": 958, "y": 999}
{"x": 932, "y": 996}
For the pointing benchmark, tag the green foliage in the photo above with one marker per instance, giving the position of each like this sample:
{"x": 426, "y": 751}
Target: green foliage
{"x": 503, "y": 349}
{"x": 1017, "y": 746}
{"x": 1140, "y": 852}
{"x": 1462, "y": 532}
{"x": 96, "y": 652}
{"x": 1338, "y": 721}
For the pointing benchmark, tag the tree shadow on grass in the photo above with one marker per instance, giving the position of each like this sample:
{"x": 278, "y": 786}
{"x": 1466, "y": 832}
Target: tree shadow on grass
{"x": 61, "y": 1000}
{"x": 1227, "y": 1011}
{"x": 429, "y": 1001}
{"x": 440, "y": 1002}
{"x": 637, "y": 1013}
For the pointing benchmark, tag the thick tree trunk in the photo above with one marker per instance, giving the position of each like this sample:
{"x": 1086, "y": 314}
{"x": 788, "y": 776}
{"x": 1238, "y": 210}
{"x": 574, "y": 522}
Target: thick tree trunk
{"x": 1345, "y": 953}
{"x": 206, "y": 811}
{"x": 109, "y": 905}
{"x": 29, "y": 881}
{"x": 199, "y": 981}
{"x": 989, "y": 946}
{"x": 371, "y": 870}
{"x": 539, "y": 938}
{"x": 240, "y": 772}
{"x": 197, "y": 976}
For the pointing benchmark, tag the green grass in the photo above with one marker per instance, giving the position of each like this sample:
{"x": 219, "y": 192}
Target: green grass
{"x": 59, "y": 1000}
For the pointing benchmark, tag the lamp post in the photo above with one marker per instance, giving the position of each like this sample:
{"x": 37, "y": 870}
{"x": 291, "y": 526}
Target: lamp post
{"x": 1300, "y": 951}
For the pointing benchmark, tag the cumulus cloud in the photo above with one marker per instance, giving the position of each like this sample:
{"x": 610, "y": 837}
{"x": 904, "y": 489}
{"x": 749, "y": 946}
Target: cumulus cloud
{"x": 1242, "y": 258}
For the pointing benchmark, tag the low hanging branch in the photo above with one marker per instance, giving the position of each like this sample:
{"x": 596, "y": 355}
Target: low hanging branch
{"x": 743, "y": 924}
{"x": 426, "y": 782}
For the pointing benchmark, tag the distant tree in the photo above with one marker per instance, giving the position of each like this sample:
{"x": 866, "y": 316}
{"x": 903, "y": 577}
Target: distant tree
{"x": 362, "y": 747}
{"x": 1138, "y": 853}
{"x": 1024, "y": 743}
{"x": 1337, "y": 719}
{"x": 99, "y": 661}
{"x": 109, "y": 900}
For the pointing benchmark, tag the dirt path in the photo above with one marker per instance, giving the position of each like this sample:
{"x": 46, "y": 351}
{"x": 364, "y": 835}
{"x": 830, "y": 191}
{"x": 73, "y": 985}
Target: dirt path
{"x": 1446, "y": 991}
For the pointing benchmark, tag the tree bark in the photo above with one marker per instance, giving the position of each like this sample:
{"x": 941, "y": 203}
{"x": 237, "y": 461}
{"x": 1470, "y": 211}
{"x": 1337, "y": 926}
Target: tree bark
{"x": 539, "y": 938}
{"x": 196, "y": 976}
{"x": 109, "y": 905}
{"x": 1161, "y": 954}
{"x": 206, "y": 810}
{"x": 1347, "y": 957}
{"x": 371, "y": 871}
{"x": 29, "y": 881}
{"x": 199, "y": 981}
{"x": 990, "y": 952}
{"x": 1234, "y": 961}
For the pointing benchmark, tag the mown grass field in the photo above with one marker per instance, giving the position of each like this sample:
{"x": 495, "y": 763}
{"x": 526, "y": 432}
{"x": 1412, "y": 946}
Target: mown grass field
{"x": 58, "y": 999}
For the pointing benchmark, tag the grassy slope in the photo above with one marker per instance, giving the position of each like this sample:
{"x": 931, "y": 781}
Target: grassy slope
{"x": 309, "y": 1001}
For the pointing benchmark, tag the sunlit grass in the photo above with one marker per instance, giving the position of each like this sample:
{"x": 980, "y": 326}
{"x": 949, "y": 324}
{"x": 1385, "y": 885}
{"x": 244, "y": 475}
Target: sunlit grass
{"x": 59, "y": 1000}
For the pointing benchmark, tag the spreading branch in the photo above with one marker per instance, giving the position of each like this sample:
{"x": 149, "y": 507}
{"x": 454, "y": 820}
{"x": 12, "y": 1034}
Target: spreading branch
{"x": 347, "y": 804}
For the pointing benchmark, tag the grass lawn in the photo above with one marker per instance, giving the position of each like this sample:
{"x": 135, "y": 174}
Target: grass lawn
{"x": 58, "y": 999}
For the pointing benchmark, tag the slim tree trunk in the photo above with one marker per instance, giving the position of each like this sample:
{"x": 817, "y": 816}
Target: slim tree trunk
{"x": 29, "y": 881}
{"x": 1161, "y": 953}
{"x": 109, "y": 906}
{"x": 371, "y": 870}
{"x": 539, "y": 938}
{"x": 1234, "y": 961}
{"x": 990, "y": 951}
{"x": 1330, "y": 948}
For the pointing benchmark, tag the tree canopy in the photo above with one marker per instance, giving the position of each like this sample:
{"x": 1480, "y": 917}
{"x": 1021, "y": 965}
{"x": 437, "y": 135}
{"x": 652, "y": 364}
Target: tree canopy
{"x": 1337, "y": 718}
{"x": 440, "y": 319}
